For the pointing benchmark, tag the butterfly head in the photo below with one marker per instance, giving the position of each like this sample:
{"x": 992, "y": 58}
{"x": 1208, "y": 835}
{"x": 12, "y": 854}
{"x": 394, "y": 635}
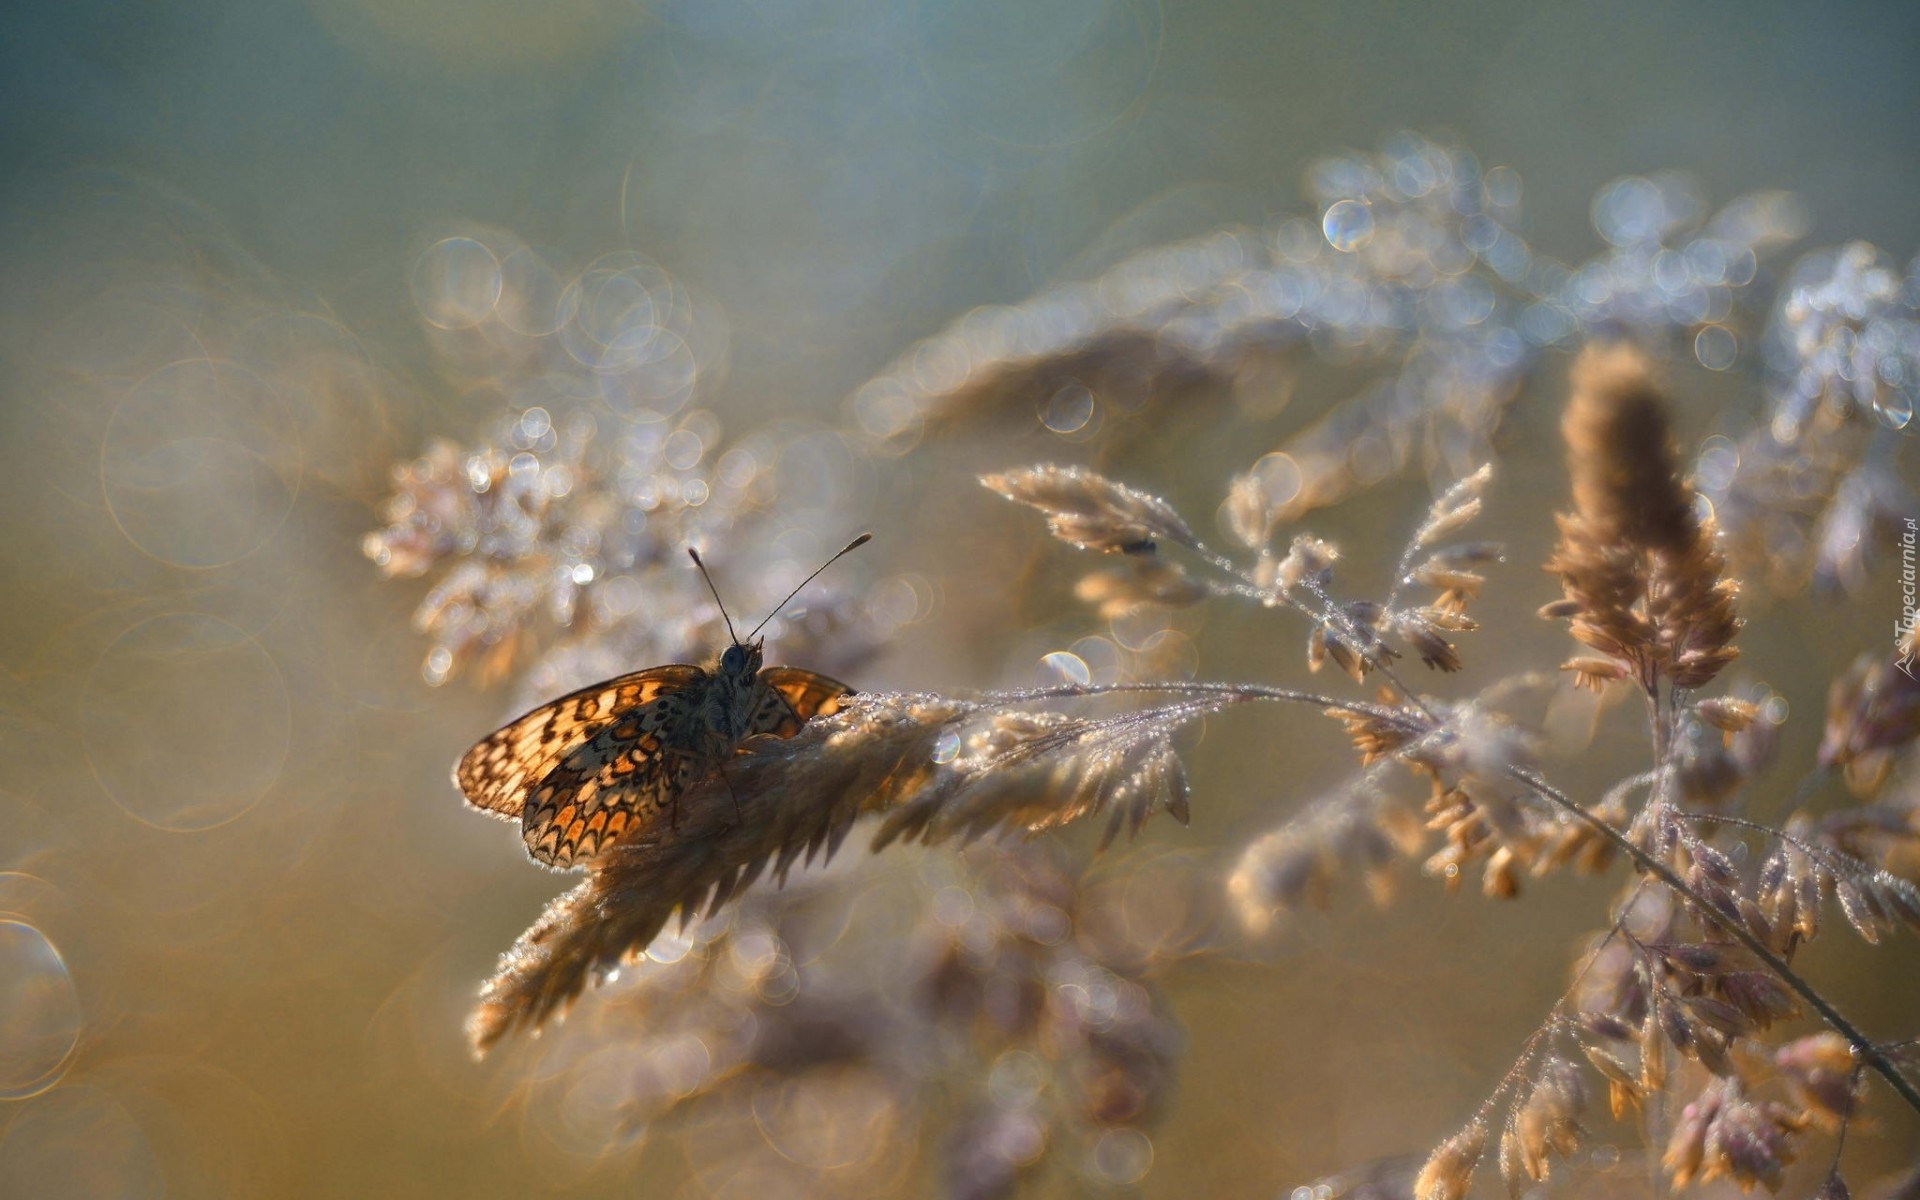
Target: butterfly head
{"x": 742, "y": 659}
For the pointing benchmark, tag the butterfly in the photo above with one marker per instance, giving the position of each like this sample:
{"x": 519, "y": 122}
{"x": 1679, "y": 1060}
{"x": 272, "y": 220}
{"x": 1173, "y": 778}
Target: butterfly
{"x": 583, "y": 771}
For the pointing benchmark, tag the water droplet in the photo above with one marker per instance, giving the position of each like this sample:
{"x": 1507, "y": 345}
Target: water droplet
{"x": 946, "y": 747}
{"x": 1348, "y": 225}
{"x": 1895, "y": 407}
{"x": 1069, "y": 666}
{"x": 40, "y": 1015}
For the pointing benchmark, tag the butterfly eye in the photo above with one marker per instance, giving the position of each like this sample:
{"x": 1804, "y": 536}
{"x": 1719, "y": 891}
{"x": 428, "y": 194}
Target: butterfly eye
{"x": 735, "y": 659}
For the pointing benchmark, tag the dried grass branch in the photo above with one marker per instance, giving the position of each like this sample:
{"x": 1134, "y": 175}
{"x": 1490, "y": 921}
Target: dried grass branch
{"x": 1092, "y": 512}
{"x": 1730, "y": 920}
{"x": 939, "y": 768}
{"x": 1645, "y": 583}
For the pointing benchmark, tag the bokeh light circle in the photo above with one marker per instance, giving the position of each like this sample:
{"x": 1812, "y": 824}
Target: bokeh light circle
{"x": 123, "y": 333}
{"x": 1069, "y": 410}
{"x": 352, "y": 416}
{"x": 187, "y": 721}
{"x": 201, "y": 463}
{"x": 1716, "y": 347}
{"x": 534, "y": 299}
{"x": 456, "y": 283}
{"x": 1121, "y": 1156}
{"x": 656, "y": 377}
{"x": 79, "y": 1141}
{"x": 215, "y": 1135}
{"x": 615, "y": 310}
{"x": 1634, "y": 211}
{"x": 828, "y": 1121}
{"x": 1279, "y": 477}
{"x": 40, "y": 1017}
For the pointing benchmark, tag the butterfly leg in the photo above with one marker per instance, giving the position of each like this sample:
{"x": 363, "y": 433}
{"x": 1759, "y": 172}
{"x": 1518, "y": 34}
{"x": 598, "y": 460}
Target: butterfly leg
{"x": 738, "y": 816}
{"x": 693, "y": 761}
{"x": 673, "y": 781}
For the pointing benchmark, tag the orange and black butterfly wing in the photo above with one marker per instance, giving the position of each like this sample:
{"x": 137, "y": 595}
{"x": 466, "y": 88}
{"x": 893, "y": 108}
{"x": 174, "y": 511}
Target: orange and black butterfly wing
{"x": 616, "y": 780}
{"x": 792, "y": 697}
{"x": 505, "y": 767}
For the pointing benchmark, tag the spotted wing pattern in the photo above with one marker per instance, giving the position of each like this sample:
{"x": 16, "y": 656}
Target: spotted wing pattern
{"x": 504, "y": 768}
{"x": 617, "y": 779}
{"x": 791, "y": 697}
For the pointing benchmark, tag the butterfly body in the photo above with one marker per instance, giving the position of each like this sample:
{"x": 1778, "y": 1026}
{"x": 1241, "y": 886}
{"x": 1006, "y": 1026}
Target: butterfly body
{"x": 590, "y": 768}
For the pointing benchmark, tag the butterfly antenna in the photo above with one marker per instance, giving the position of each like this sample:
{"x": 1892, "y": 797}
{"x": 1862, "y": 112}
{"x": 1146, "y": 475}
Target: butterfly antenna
{"x": 695, "y": 556}
{"x": 855, "y": 544}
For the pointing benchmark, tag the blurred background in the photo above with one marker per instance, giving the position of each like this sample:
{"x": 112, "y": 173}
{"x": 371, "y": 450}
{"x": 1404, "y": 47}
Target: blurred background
{"x": 257, "y": 255}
